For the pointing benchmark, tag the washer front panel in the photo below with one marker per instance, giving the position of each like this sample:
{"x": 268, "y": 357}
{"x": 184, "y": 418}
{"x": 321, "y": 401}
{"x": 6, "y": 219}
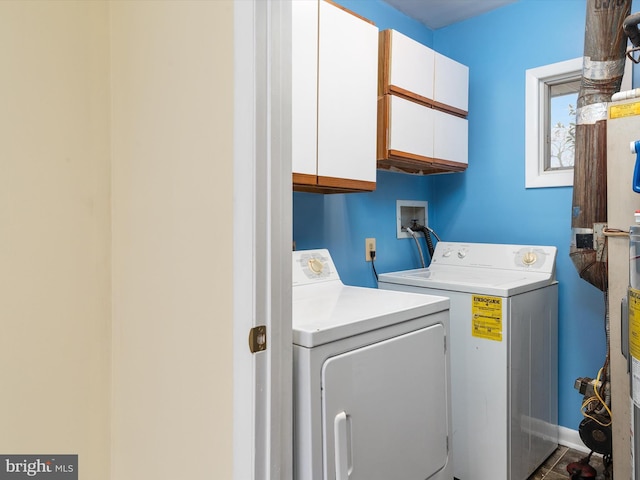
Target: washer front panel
{"x": 503, "y": 391}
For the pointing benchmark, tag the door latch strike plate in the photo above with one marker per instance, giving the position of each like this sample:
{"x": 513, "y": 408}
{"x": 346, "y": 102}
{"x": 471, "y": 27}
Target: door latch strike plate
{"x": 258, "y": 339}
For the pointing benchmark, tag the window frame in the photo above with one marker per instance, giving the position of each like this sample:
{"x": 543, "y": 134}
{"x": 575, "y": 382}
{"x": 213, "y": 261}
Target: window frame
{"x": 538, "y": 81}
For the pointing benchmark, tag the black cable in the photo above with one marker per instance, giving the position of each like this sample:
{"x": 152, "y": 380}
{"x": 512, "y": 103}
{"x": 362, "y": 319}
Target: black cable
{"x": 427, "y": 232}
{"x": 427, "y": 236}
{"x": 373, "y": 265}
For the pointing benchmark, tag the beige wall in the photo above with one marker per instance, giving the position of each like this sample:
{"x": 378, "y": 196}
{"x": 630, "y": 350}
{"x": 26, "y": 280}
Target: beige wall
{"x": 115, "y": 235}
{"x": 172, "y": 117}
{"x": 55, "y": 293}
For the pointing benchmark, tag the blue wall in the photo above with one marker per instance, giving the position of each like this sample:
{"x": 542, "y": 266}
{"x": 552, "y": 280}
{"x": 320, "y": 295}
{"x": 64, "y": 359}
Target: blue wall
{"x": 488, "y": 202}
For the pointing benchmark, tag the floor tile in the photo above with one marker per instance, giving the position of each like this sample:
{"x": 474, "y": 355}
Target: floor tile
{"x": 555, "y": 467}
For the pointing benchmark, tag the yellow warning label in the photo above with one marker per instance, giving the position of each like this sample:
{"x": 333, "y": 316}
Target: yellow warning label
{"x": 625, "y": 110}
{"x": 486, "y": 317}
{"x": 634, "y": 323}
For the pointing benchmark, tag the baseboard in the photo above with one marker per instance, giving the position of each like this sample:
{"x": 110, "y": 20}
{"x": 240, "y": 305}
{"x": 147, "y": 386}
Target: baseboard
{"x": 571, "y": 438}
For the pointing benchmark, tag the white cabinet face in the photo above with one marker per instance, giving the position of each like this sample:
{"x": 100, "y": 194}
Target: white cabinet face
{"x": 451, "y": 138}
{"x": 451, "y": 85}
{"x": 410, "y": 127}
{"x": 411, "y": 65}
{"x": 347, "y": 95}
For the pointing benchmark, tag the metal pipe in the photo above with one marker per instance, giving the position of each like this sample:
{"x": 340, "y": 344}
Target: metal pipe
{"x": 603, "y": 67}
{"x": 630, "y": 27}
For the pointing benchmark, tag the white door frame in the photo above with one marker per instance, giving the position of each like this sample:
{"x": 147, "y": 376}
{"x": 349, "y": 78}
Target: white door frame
{"x": 262, "y": 239}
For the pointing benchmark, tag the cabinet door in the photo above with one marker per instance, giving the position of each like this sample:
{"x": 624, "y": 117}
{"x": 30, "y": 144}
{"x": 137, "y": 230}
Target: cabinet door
{"x": 304, "y": 89}
{"x": 415, "y": 138}
{"x": 451, "y": 86}
{"x": 410, "y": 66}
{"x": 450, "y": 137}
{"x": 347, "y": 97}
{"x": 385, "y": 409}
{"x": 410, "y": 127}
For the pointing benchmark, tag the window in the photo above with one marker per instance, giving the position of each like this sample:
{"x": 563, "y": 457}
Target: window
{"x": 551, "y": 100}
{"x": 560, "y": 139}
{"x": 552, "y": 95}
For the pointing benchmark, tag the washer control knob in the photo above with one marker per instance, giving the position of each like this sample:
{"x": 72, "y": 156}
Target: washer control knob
{"x": 462, "y": 253}
{"x": 446, "y": 253}
{"x": 316, "y": 265}
{"x": 529, "y": 258}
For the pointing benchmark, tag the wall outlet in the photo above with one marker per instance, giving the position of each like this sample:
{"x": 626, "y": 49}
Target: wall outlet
{"x": 369, "y": 245}
{"x": 406, "y": 212}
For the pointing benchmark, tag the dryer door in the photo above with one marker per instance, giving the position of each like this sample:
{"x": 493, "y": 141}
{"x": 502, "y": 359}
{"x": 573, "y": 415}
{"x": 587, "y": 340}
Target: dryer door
{"x": 385, "y": 409}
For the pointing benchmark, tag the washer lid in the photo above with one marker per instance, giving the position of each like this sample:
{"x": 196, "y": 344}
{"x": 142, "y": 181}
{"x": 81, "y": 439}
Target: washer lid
{"x": 470, "y": 280}
{"x": 330, "y": 311}
{"x": 484, "y": 268}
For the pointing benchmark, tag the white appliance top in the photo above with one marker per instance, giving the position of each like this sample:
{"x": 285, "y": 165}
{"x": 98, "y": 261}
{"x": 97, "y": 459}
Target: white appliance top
{"x": 326, "y": 310}
{"x": 484, "y": 268}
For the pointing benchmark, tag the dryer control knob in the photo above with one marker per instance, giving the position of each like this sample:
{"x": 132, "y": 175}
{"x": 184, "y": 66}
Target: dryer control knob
{"x": 529, "y": 258}
{"x": 462, "y": 253}
{"x": 316, "y": 265}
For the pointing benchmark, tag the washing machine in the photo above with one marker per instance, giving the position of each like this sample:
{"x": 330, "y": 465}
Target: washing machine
{"x": 371, "y": 379}
{"x": 504, "y": 360}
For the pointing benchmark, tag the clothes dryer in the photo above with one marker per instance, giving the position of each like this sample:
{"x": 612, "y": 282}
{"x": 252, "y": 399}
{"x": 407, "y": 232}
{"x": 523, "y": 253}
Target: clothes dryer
{"x": 371, "y": 379}
{"x": 504, "y": 360}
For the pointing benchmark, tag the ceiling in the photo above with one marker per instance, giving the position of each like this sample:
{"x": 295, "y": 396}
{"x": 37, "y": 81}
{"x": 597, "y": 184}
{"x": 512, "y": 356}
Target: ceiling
{"x": 440, "y": 13}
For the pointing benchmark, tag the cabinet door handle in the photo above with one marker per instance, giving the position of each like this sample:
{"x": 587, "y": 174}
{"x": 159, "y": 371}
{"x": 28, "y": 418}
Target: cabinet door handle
{"x": 342, "y": 446}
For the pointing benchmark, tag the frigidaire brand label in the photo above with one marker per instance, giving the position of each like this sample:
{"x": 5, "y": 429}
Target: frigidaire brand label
{"x": 40, "y": 467}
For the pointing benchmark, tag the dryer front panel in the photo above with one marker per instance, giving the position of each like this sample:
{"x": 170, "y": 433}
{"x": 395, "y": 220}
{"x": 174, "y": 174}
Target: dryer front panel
{"x": 384, "y": 409}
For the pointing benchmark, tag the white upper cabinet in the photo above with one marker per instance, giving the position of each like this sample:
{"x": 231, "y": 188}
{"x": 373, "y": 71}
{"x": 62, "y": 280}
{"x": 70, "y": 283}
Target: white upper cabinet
{"x": 422, "y": 125}
{"x": 414, "y": 138}
{"x": 413, "y": 70}
{"x": 426, "y": 133}
{"x": 334, "y": 98}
